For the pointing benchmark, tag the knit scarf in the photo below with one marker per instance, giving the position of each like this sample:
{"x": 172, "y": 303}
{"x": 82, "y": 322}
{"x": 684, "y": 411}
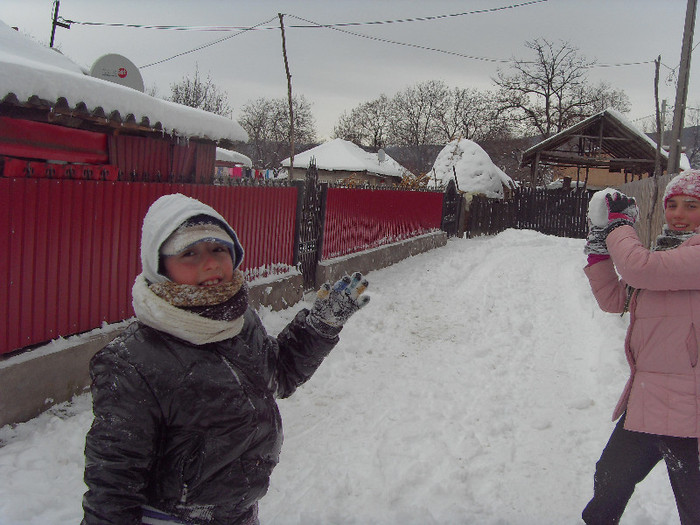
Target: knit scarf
{"x": 667, "y": 240}
{"x": 670, "y": 239}
{"x": 196, "y": 314}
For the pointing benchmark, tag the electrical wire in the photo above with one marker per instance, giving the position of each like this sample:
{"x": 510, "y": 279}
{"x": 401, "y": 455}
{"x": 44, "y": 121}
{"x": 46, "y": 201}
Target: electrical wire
{"x": 387, "y": 41}
{"x": 339, "y": 27}
{"x": 311, "y": 24}
{"x": 204, "y": 46}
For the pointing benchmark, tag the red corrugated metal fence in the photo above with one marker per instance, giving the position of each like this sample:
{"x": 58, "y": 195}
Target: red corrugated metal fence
{"x": 70, "y": 248}
{"x": 358, "y": 220}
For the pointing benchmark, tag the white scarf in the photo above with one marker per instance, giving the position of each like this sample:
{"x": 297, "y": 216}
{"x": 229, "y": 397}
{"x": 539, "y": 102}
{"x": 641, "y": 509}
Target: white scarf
{"x": 157, "y": 313}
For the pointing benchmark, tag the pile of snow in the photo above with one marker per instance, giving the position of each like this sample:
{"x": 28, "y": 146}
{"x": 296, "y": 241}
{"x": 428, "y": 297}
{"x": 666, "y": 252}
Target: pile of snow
{"x": 475, "y": 388}
{"x": 30, "y": 69}
{"x": 475, "y": 171}
{"x": 559, "y": 184}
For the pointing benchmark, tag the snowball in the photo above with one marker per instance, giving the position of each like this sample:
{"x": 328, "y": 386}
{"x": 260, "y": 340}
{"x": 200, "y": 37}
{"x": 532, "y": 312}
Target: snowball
{"x": 598, "y": 208}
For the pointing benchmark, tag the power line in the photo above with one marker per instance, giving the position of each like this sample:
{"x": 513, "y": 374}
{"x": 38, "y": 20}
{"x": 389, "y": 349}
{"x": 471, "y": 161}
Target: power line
{"x": 387, "y": 41}
{"x": 311, "y": 24}
{"x": 204, "y": 46}
{"x": 339, "y": 27}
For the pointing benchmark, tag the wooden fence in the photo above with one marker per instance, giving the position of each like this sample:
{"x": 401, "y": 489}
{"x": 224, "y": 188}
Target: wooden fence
{"x": 552, "y": 212}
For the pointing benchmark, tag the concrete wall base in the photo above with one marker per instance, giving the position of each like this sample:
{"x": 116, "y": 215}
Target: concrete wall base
{"x": 378, "y": 258}
{"x": 34, "y": 380}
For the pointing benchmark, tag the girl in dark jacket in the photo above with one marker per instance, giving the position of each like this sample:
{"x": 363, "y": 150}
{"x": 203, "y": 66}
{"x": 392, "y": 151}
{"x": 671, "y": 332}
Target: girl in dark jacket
{"x": 186, "y": 427}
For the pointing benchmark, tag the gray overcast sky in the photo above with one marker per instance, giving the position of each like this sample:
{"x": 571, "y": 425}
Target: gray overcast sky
{"x": 336, "y": 70}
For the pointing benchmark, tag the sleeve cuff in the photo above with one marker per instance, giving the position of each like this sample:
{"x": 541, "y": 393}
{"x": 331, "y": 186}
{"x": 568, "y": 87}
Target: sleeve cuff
{"x": 596, "y": 258}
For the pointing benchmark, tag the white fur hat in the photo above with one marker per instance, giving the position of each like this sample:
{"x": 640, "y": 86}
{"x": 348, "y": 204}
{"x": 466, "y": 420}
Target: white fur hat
{"x": 165, "y": 216}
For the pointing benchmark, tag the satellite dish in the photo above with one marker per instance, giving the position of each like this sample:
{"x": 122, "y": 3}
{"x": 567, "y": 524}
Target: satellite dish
{"x": 381, "y": 155}
{"x": 117, "y": 69}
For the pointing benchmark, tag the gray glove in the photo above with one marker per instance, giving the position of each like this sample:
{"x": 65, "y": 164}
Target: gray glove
{"x": 334, "y": 305}
{"x": 595, "y": 241}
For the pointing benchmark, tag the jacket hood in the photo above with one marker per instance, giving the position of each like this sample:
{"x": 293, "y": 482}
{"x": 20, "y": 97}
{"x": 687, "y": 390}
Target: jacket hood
{"x": 163, "y": 217}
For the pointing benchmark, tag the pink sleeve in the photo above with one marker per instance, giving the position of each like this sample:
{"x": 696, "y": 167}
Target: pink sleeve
{"x": 608, "y": 289}
{"x": 676, "y": 269}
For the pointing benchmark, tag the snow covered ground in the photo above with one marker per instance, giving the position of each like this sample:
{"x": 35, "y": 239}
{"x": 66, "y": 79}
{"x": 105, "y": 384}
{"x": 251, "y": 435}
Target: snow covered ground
{"x": 475, "y": 388}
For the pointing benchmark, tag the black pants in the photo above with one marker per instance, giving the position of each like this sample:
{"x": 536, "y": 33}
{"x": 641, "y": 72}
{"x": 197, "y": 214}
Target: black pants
{"x": 628, "y": 458}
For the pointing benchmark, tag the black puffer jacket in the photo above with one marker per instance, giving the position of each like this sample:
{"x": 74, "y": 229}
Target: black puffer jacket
{"x": 191, "y": 430}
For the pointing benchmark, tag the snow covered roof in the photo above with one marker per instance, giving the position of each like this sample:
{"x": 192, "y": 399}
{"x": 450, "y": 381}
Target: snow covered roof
{"x": 475, "y": 171}
{"x": 343, "y": 155}
{"x": 37, "y": 76}
{"x": 622, "y": 145}
{"x": 233, "y": 156}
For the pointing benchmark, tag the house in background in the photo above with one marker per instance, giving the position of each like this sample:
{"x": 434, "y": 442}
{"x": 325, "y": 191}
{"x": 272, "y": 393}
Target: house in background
{"x": 601, "y": 151}
{"x": 58, "y": 121}
{"x": 342, "y": 161}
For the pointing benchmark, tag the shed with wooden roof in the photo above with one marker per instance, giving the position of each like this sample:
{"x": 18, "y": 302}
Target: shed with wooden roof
{"x": 605, "y": 141}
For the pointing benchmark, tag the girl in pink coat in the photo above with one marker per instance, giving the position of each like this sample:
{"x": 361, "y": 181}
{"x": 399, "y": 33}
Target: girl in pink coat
{"x": 659, "y": 409}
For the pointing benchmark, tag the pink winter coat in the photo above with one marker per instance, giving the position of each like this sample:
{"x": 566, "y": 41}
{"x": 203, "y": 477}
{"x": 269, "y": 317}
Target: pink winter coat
{"x": 662, "y": 395}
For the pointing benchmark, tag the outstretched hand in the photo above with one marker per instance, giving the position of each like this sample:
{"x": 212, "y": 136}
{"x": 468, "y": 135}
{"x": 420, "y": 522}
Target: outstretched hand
{"x": 334, "y": 305}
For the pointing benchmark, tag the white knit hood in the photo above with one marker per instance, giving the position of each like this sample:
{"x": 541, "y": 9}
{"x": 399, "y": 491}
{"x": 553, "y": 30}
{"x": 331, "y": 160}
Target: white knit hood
{"x": 163, "y": 217}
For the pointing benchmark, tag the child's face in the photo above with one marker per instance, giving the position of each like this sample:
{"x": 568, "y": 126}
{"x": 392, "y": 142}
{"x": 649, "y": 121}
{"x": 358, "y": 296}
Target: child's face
{"x": 683, "y": 213}
{"x": 204, "y": 264}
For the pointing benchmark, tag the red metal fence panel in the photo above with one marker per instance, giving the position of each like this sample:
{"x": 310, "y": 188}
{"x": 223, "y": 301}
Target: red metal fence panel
{"x": 358, "y": 220}
{"x": 69, "y": 249}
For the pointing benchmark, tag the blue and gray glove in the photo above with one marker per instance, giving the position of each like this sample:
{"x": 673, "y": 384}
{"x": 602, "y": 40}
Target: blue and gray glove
{"x": 334, "y": 305}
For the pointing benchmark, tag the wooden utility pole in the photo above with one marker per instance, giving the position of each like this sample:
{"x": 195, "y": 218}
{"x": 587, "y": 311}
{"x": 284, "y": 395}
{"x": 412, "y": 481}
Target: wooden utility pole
{"x": 674, "y": 156}
{"x": 659, "y": 143}
{"x": 659, "y": 125}
{"x": 289, "y": 96}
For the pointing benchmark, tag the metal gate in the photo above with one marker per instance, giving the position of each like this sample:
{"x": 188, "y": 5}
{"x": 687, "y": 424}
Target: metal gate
{"x": 451, "y": 207}
{"x": 310, "y": 213}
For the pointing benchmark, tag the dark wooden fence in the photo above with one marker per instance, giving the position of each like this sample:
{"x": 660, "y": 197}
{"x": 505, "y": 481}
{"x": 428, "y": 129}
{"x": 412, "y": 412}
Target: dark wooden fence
{"x": 560, "y": 213}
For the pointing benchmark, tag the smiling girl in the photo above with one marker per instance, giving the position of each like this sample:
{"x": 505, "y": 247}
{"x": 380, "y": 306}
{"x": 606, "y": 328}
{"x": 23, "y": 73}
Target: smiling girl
{"x": 659, "y": 410}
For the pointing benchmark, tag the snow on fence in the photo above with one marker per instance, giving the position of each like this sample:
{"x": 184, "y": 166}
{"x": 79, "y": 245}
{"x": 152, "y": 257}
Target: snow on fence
{"x": 70, "y": 248}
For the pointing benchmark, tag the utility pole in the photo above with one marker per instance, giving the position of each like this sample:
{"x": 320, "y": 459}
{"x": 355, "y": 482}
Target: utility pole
{"x": 674, "y": 156}
{"x": 289, "y": 96}
{"x": 55, "y": 23}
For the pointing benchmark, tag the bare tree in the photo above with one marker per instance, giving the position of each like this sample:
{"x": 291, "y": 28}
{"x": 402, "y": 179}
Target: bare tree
{"x": 551, "y": 92}
{"x": 367, "y": 124}
{"x": 267, "y": 123}
{"x": 414, "y": 113}
{"x": 471, "y": 114}
{"x": 200, "y": 93}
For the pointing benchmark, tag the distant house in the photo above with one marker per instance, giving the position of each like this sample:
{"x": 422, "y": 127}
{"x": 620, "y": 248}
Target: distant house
{"x": 57, "y": 121}
{"x": 340, "y": 160}
{"x": 603, "y": 150}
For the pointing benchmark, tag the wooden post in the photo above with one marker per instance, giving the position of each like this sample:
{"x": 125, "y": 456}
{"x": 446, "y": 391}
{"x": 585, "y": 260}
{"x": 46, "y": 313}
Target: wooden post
{"x": 674, "y": 156}
{"x": 289, "y": 96}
